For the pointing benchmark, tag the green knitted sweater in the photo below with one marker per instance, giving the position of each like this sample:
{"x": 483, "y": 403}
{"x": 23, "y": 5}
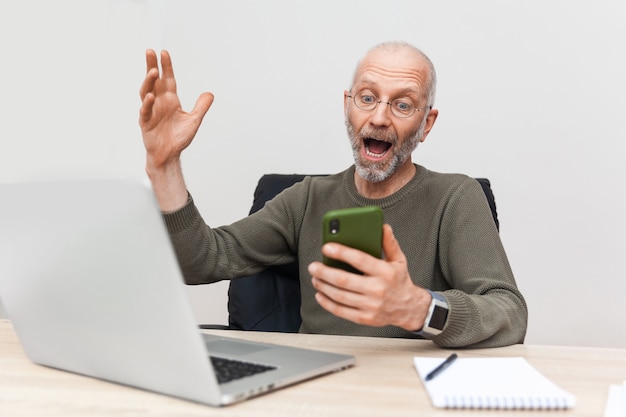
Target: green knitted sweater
{"x": 442, "y": 221}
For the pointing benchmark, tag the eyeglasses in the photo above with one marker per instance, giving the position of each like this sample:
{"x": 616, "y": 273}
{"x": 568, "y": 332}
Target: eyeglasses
{"x": 400, "y": 107}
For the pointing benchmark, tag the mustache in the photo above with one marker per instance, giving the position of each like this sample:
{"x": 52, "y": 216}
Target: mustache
{"x": 381, "y": 134}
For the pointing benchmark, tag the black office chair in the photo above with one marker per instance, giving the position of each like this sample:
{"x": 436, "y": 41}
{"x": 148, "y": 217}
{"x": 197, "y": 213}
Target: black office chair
{"x": 270, "y": 300}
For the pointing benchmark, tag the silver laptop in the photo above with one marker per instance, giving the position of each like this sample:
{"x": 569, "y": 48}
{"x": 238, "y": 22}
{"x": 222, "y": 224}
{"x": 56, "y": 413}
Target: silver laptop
{"x": 90, "y": 281}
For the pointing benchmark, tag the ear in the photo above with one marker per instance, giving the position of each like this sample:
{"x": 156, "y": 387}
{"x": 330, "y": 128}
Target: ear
{"x": 345, "y": 100}
{"x": 430, "y": 122}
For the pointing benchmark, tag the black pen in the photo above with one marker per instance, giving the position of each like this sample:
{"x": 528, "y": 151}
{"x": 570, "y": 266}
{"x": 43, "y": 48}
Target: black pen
{"x": 442, "y": 367}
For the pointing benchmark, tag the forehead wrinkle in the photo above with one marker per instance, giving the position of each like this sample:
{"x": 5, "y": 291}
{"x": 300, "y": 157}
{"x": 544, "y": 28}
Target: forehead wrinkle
{"x": 401, "y": 85}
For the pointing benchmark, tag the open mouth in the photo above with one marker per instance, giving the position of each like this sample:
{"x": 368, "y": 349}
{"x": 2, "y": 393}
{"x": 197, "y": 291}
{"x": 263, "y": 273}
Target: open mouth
{"x": 376, "y": 148}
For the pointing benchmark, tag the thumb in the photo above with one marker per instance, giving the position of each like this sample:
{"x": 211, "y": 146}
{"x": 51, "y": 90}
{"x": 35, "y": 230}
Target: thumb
{"x": 391, "y": 247}
{"x": 203, "y": 104}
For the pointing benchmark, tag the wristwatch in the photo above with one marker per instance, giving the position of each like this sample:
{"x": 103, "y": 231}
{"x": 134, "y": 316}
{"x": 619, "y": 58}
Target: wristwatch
{"x": 436, "y": 317}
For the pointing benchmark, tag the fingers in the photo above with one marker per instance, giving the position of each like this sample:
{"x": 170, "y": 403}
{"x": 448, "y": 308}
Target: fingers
{"x": 336, "y": 291}
{"x": 145, "y": 112}
{"x": 335, "y": 297}
{"x": 152, "y": 73}
{"x": 148, "y": 83}
{"x": 168, "y": 71}
{"x": 338, "y": 295}
{"x": 343, "y": 287}
{"x": 358, "y": 259}
{"x": 146, "y": 92}
{"x": 340, "y": 310}
{"x": 330, "y": 280}
{"x": 151, "y": 60}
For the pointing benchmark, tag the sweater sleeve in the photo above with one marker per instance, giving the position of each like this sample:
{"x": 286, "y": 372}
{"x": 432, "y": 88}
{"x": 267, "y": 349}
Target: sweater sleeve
{"x": 486, "y": 307}
{"x": 247, "y": 246}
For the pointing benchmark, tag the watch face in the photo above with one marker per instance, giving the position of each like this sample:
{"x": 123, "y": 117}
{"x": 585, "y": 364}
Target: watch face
{"x": 438, "y": 318}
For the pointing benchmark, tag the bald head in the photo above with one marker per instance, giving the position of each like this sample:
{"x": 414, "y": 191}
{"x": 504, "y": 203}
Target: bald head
{"x": 396, "y": 53}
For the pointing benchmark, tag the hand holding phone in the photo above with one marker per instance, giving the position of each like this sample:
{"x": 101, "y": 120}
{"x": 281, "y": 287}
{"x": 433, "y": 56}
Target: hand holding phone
{"x": 359, "y": 227}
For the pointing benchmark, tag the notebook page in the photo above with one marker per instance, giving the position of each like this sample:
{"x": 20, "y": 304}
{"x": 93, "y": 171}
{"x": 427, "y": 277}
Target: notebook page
{"x": 506, "y": 383}
{"x": 616, "y": 401}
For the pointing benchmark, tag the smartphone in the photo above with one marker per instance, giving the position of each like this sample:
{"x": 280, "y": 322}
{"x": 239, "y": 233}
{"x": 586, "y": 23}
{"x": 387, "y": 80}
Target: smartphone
{"x": 359, "y": 227}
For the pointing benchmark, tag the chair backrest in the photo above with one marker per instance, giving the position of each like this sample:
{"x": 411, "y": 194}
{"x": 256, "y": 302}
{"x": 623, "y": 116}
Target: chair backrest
{"x": 270, "y": 300}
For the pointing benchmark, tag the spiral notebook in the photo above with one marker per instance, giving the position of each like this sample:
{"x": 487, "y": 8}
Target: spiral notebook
{"x": 485, "y": 383}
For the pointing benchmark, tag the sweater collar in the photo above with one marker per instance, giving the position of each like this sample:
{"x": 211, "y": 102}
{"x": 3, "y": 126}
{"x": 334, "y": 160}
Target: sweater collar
{"x": 359, "y": 200}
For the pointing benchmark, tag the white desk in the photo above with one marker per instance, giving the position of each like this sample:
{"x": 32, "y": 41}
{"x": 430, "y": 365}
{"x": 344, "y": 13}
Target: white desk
{"x": 383, "y": 383}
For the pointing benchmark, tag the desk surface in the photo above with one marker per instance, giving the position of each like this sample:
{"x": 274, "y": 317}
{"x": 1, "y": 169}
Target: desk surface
{"x": 384, "y": 382}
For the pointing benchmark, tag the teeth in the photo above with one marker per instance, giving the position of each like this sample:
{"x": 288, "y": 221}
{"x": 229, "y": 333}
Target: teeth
{"x": 370, "y": 153}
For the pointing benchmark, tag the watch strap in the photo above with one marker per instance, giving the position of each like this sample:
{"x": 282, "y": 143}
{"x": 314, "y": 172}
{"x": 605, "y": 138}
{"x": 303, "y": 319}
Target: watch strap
{"x": 436, "y": 317}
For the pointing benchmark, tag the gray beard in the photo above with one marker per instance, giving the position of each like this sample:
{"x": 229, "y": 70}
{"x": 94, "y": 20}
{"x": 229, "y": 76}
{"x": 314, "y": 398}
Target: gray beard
{"x": 377, "y": 171}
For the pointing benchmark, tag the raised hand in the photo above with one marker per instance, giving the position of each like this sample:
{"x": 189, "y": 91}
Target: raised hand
{"x": 167, "y": 130}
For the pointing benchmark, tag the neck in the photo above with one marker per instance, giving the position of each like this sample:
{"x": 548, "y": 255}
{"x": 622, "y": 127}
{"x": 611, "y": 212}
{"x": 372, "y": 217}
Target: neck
{"x": 385, "y": 188}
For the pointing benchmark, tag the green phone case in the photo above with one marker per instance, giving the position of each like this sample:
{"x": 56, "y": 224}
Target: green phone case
{"x": 358, "y": 227}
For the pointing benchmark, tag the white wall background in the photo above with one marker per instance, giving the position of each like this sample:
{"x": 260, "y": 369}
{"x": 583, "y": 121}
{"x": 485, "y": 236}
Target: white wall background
{"x": 531, "y": 94}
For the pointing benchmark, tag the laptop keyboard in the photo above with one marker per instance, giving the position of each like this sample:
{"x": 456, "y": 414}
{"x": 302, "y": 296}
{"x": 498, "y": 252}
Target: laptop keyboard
{"x": 228, "y": 370}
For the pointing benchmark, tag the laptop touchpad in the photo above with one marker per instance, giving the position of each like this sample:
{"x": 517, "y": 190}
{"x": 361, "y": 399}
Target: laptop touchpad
{"x": 233, "y": 347}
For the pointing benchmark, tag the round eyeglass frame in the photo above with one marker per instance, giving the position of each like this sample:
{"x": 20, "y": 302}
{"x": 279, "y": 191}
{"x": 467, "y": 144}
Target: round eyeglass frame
{"x": 372, "y": 106}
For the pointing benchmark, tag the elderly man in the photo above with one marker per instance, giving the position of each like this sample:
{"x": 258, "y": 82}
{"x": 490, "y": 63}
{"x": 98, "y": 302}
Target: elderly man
{"x": 444, "y": 275}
